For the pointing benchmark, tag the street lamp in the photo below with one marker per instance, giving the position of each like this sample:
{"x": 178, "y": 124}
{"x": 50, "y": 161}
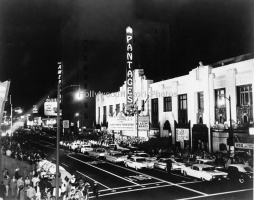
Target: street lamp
{"x": 18, "y": 110}
{"x": 58, "y": 134}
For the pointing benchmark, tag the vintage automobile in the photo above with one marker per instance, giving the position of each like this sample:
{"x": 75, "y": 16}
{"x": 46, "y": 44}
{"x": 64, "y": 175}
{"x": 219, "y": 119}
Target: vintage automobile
{"x": 162, "y": 164}
{"x": 138, "y": 163}
{"x": 85, "y": 148}
{"x": 115, "y": 157}
{"x": 239, "y": 172}
{"x": 97, "y": 153}
{"x": 146, "y": 156}
{"x": 204, "y": 172}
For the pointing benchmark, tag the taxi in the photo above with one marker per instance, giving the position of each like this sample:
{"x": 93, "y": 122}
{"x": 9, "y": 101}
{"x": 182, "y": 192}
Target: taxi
{"x": 115, "y": 157}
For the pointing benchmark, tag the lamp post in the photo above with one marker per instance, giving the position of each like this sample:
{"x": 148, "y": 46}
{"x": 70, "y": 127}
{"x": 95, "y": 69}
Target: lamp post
{"x": 17, "y": 109}
{"x": 58, "y": 135}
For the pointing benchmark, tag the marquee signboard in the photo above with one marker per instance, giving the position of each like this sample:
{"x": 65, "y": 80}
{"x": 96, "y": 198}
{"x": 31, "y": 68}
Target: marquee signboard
{"x": 244, "y": 145}
{"x": 129, "y": 68}
{"x": 123, "y": 124}
{"x": 182, "y": 134}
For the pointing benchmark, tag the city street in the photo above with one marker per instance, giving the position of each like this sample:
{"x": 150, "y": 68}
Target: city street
{"x": 118, "y": 182}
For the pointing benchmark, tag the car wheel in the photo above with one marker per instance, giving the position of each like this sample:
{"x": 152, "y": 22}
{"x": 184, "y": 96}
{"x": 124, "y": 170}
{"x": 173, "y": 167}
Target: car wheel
{"x": 126, "y": 165}
{"x": 136, "y": 168}
{"x": 184, "y": 173}
{"x": 202, "y": 178}
{"x": 241, "y": 180}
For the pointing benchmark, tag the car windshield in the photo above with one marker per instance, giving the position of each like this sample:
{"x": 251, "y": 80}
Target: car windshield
{"x": 178, "y": 159}
{"x": 208, "y": 169}
{"x": 100, "y": 150}
{"x": 87, "y": 146}
{"x": 248, "y": 169}
{"x": 140, "y": 160}
{"x": 143, "y": 155}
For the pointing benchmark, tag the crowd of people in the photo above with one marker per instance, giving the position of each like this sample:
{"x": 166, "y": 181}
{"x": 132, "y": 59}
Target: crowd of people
{"x": 20, "y": 149}
{"x": 35, "y": 184}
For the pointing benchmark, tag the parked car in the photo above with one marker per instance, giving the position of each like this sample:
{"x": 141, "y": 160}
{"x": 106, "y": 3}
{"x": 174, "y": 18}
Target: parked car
{"x": 115, "y": 157}
{"x": 204, "y": 172}
{"x": 97, "y": 153}
{"x": 138, "y": 163}
{"x": 85, "y": 148}
{"x": 239, "y": 172}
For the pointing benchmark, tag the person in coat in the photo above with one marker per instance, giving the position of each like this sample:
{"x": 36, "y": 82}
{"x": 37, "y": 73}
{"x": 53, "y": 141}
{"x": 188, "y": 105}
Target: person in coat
{"x": 13, "y": 186}
{"x": 6, "y": 183}
{"x": 169, "y": 166}
{"x": 2, "y": 190}
{"x": 95, "y": 189}
{"x": 22, "y": 193}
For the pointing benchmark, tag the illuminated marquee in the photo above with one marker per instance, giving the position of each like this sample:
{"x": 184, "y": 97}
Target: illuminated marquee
{"x": 59, "y": 78}
{"x": 129, "y": 68}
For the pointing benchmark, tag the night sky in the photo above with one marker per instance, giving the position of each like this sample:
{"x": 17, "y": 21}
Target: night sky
{"x": 31, "y": 32}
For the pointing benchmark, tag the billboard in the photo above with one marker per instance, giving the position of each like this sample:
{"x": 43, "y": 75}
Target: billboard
{"x": 50, "y": 108}
{"x": 182, "y": 134}
{"x": 4, "y": 90}
{"x": 143, "y": 123}
{"x": 129, "y": 68}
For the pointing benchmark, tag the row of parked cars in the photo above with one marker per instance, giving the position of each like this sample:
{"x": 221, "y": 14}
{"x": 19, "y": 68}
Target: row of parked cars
{"x": 203, "y": 169}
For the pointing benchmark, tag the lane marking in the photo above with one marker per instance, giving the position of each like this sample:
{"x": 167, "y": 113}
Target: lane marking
{"x": 94, "y": 180}
{"x": 132, "y": 186}
{"x": 64, "y": 164}
{"x": 104, "y": 170}
{"x": 177, "y": 185}
{"x": 216, "y": 194}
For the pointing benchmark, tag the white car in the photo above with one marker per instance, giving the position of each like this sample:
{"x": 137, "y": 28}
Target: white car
{"x": 204, "y": 172}
{"x": 146, "y": 156}
{"x": 97, "y": 153}
{"x": 138, "y": 163}
{"x": 115, "y": 157}
{"x": 162, "y": 164}
{"x": 85, "y": 148}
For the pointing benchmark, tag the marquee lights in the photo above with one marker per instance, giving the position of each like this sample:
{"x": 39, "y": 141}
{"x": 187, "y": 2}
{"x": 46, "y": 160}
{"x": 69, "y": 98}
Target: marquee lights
{"x": 129, "y": 68}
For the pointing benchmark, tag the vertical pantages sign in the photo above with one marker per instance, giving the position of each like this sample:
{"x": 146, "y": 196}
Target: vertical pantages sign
{"x": 59, "y": 78}
{"x": 129, "y": 68}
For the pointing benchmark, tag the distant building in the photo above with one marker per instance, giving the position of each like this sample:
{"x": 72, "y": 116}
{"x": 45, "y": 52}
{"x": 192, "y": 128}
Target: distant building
{"x": 195, "y": 105}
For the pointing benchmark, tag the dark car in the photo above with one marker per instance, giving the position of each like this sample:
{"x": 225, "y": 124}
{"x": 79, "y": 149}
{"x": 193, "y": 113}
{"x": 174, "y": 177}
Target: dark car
{"x": 239, "y": 172}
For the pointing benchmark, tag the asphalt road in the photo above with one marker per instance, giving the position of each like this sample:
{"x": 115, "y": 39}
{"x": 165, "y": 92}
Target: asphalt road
{"x": 118, "y": 182}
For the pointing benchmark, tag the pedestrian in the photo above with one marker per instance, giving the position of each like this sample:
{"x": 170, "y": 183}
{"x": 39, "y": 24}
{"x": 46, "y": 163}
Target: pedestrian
{"x": 31, "y": 193}
{"x": 87, "y": 185}
{"x": 17, "y": 175}
{"x": 2, "y": 190}
{"x": 169, "y": 166}
{"x": 19, "y": 183}
{"x": 22, "y": 193}
{"x": 38, "y": 191}
{"x": 95, "y": 189}
{"x": 27, "y": 180}
{"x": 7, "y": 183}
{"x": 13, "y": 186}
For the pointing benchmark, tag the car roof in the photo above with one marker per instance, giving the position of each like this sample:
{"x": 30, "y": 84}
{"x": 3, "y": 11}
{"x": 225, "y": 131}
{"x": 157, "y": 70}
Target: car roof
{"x": 202, "y": 165}
{"x": 238, "y": 165}
{"x": 203, "y": 159}
{"x": 137, "y": 157}
{"x": 118, "y": 152}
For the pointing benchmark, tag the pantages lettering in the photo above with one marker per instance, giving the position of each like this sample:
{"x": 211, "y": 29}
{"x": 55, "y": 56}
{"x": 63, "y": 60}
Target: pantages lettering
{"x": 129, "y": 68}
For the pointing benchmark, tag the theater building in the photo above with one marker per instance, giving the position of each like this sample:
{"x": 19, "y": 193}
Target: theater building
{"x": 193, "y": 110}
